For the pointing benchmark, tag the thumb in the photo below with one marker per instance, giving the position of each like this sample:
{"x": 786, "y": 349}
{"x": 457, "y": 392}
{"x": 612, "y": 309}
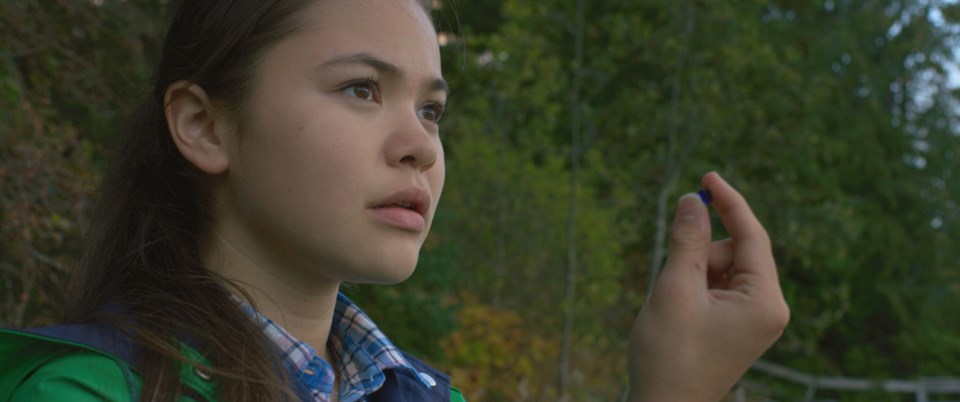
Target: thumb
{"x": 686, "y": 265}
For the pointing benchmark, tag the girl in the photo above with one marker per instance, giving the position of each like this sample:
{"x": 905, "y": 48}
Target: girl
{"x": 292, "y": 145}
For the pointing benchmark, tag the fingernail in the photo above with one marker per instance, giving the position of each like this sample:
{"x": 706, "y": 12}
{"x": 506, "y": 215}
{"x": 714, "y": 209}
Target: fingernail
{"x": 689, "y": 210}
{"x": 705, "y": 196}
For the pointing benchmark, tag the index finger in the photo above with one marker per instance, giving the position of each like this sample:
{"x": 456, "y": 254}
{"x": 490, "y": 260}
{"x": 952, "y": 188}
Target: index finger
{"x": 752, "y": 244}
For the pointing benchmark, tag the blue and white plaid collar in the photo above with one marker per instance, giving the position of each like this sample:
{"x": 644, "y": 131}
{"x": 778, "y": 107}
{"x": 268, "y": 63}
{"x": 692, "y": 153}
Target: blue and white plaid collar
{"x": 363, "y": 353}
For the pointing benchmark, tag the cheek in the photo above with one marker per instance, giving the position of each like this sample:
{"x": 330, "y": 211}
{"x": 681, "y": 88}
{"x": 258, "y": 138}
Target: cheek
{"x": 440, "y": 175}
{"x": 436, "y": 177}
{"x": 325, "y": 169}
{"x": 292, "y": 160}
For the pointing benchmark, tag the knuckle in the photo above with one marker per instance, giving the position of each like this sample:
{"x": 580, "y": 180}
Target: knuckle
{"x": 776, "y": 317}
{"x": 759, "y": 234}
{"x": 764, "y": 236}
{"x": 686, "y": 237}
{"x": 784, "y": 315}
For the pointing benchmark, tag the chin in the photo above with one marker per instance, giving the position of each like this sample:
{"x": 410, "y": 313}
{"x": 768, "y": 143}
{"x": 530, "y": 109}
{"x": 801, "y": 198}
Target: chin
{"x": 385, "y": 278}
{"x": 398, "y": 277}
{"x": 387, "y": 274}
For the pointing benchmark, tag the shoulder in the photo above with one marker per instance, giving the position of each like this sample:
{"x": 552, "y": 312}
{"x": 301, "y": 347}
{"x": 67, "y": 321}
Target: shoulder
{"x": 456, "y": 395}
{"x": 84, "y": 362}
{"x": 41, "y": 369}
{"x": 81, "y": 376}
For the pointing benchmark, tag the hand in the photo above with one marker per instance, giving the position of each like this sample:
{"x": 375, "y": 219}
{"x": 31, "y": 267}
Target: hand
{"x": 715, "y": 308}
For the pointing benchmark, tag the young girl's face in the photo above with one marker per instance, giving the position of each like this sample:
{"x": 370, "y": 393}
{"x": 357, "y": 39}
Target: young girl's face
{"x": 337, "y": 166}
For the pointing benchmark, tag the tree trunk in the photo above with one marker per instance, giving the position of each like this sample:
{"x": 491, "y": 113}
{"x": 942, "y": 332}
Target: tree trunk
{"x": 575, "y": 151}
{"x": 500, "y": 269}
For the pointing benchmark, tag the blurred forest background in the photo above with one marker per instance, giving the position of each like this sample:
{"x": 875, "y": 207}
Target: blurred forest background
{"x": 573, "y": 128}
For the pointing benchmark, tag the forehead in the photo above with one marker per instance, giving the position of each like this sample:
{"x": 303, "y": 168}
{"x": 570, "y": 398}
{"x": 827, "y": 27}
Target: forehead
{"x": 399, "y": 31}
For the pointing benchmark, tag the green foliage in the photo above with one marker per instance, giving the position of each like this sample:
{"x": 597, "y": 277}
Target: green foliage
{"x": 835, "y": 119}
{"x": 63, "y": 69}
{"x": 499, "y": 354}
{"x": 810, "y": 126}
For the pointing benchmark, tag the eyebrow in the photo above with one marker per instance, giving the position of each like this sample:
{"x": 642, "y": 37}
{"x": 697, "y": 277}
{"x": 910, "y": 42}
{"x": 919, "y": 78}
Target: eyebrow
{"x": 384, "y": 67}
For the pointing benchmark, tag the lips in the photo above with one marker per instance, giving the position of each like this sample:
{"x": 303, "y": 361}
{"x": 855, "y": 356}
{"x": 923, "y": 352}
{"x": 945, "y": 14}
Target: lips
{"x": 413, "y": 198}
{"x": 405, "y": 209}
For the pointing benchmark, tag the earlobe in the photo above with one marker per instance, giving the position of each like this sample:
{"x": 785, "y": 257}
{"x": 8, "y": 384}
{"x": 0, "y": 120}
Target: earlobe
{"x": 194, "y": 127}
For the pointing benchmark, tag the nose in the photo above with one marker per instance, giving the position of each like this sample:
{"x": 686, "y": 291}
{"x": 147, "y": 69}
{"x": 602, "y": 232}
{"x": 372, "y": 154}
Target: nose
{"x": 412, "y": 144}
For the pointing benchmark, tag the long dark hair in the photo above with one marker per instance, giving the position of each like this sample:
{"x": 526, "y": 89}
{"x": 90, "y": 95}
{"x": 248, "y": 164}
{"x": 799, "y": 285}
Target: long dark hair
{"x": 144, "y": 252}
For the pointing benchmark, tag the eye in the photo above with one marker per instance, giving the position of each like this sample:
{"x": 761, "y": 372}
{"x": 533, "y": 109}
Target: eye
{"x": 366, "y": 90}
{"x": 431, "y": 112}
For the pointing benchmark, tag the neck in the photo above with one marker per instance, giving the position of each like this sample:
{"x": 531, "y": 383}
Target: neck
{"x": 302, "y": 307}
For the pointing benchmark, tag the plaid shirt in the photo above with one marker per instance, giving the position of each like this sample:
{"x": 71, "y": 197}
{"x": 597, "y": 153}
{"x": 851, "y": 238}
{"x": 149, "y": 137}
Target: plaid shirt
{"x": 363, "y": 354}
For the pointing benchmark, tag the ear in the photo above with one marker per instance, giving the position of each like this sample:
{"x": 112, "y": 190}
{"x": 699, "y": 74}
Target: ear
{"x": 198, "y": 130}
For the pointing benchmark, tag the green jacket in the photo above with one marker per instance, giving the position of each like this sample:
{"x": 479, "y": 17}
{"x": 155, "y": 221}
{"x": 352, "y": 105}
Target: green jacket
{"x": 37, "y": 368}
